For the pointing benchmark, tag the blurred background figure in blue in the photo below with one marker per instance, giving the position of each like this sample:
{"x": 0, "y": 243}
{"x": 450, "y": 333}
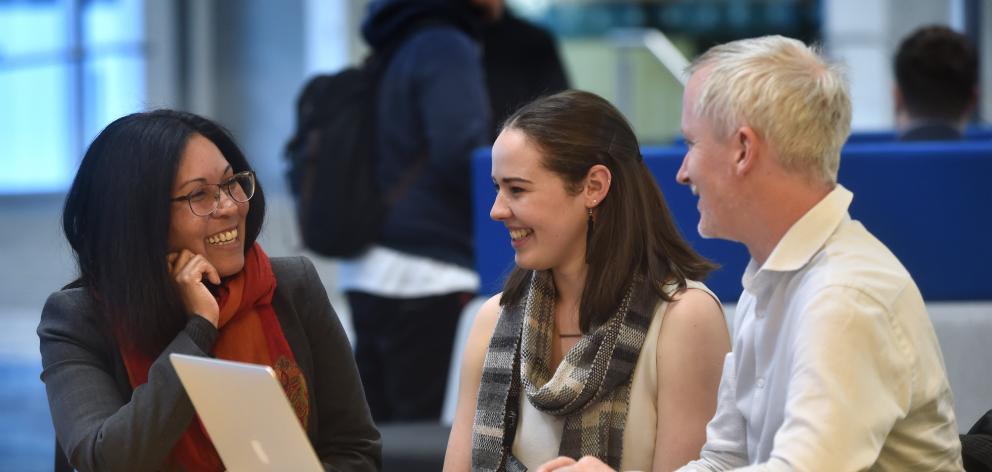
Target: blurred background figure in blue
{"x": 408, "y": 289}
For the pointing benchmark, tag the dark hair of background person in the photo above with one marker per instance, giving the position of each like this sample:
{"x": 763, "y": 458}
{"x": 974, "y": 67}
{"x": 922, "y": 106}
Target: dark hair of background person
{"x": 633, "y": 232}
{"x": 117, "y": 217}
{"x": 936, "y": 71}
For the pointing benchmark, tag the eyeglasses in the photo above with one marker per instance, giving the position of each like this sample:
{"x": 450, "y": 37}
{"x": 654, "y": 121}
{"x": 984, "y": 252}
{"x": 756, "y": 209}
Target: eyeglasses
{"x": 240, "y": 187}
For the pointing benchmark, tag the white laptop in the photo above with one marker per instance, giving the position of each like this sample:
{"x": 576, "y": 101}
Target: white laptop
{"x": 247, "y": 415}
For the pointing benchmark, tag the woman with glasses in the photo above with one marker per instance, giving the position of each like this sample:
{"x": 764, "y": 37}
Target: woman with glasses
{"x": 162, "y": 217}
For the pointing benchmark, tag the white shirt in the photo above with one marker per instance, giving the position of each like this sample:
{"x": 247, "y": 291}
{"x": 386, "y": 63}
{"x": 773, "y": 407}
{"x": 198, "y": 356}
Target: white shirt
{"x": 390, "y": 273}
{"x": 835, "y": 365}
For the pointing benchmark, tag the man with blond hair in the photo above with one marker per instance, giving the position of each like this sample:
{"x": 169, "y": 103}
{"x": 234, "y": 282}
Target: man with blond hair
{"x": 835, "y": 364}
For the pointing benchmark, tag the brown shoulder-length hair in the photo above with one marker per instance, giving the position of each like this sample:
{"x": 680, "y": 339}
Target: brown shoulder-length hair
{"x": 633, "y": 234}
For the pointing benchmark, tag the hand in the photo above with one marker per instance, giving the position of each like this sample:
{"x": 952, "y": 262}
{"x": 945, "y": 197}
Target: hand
{"x": 567, "y": 464}
{"x": 188, "y": 271}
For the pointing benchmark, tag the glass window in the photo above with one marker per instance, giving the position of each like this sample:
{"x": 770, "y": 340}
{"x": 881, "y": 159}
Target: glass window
{"x": 67, "y": 68}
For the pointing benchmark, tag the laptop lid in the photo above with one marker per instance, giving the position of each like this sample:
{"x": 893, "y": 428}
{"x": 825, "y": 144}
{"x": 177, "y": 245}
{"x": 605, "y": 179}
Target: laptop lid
{"x": 246, "y": 414}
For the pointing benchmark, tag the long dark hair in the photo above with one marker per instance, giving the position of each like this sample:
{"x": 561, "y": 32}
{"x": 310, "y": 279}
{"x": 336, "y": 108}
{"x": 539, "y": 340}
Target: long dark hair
{"x": 117, "y": 218}
{"x": 633, "y": 233}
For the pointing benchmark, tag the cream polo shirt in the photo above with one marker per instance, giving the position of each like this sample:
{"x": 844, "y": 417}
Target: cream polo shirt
{"x": 835, "y": 364}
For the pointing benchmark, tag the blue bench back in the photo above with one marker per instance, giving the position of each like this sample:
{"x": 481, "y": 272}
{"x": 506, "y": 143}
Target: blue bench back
{"x": 930, "y": 203}
{"x": 971, "y": 133}
{"x": 976, "y": 133}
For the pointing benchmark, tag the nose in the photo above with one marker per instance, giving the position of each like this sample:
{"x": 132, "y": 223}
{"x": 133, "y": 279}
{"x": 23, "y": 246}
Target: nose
{"x": 682, "y": 176}
{"x": 499, "y": 210}
{"x": 225, "y": 204}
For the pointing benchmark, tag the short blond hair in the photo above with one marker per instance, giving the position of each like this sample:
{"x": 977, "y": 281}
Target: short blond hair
{"x": 786, "y": 91}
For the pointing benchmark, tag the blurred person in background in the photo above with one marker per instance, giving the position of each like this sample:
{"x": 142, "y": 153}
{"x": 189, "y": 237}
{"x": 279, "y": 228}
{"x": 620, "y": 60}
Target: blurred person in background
{"x": 936, "y": 70}
{"x": 407, "y": 290}
{"x": 522, "y": 63}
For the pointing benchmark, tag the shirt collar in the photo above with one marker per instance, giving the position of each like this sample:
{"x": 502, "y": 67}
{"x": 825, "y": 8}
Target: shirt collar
{"x": 806, "y": 236}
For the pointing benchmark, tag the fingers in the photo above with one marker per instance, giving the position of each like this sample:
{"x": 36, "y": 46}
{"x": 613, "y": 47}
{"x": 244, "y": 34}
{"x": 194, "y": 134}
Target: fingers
{"x": 567, "y": 464}
{"x": 555, "y": 464}
{"x": 592, "y": 464}
{"x": 211, "y": 272}
{"x": 179, "y": 261}
{"x": 191, "y": 272}
{"x": 188, "y": 267}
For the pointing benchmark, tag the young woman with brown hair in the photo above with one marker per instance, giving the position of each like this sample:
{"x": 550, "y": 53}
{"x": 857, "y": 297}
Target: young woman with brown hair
{"x": 572, "y": 358}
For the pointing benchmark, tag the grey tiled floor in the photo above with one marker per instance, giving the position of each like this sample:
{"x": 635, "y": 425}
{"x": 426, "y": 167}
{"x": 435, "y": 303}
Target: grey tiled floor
{"x": 34, "y": 261}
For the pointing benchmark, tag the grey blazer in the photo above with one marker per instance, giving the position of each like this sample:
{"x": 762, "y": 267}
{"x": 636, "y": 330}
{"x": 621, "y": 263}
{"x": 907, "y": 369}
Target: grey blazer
{"x": 102, "y": 424}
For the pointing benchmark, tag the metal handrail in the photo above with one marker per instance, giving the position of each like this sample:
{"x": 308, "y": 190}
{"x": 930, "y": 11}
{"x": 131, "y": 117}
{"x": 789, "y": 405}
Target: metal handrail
{"x": 625, "y": 39}
{"x": 660, "y": 46}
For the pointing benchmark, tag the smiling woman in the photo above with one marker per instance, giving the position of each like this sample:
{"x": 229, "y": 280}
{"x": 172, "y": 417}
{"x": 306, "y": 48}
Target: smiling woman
{"x": 603, "y": 341}
{"x": 214, "y": 217}
{"x": 162, "y": 217}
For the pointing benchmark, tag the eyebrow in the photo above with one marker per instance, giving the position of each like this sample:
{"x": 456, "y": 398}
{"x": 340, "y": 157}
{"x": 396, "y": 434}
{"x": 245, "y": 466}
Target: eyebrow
{"x": 201, "y": 179}
{"x": 510, "y": 180}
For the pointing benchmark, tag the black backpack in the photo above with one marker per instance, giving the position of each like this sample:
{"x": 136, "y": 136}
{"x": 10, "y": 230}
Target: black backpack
{"x": 332, "y": 156}
{"x": 332, "y": 165}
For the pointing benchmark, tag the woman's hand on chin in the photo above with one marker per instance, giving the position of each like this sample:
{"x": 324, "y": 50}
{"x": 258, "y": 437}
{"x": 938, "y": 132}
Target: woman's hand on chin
{"x": 189, "y": 272}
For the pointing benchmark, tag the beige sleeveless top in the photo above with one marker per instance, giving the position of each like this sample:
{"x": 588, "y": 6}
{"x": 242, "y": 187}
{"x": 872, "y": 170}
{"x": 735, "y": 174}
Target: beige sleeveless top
{"x": 539, "y": 434}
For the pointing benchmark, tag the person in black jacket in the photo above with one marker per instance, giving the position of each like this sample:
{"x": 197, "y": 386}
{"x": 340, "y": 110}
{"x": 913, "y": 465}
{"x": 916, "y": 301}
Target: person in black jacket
{"x": 522, "y": 63}
{"x": 162, "y": 217}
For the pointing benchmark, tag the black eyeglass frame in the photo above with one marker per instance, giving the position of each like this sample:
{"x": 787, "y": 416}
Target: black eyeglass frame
{"x": 226, "y": 185}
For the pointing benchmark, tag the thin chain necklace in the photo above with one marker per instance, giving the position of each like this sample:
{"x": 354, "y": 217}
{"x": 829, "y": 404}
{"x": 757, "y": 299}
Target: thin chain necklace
{"x": 569, "y": 335}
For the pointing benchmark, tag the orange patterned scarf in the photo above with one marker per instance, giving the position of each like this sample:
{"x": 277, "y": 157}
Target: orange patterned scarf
{"x": 249, "y": 332}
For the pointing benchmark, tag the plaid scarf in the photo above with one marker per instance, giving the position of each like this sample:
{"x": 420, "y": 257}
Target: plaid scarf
{"x": 590, "y": 388}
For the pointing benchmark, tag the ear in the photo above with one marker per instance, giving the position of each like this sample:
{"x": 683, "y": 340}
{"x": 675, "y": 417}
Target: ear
{"x": 898, "y": 100}
{"x": 597, "y": 185}
{"x": 750, "y": 148}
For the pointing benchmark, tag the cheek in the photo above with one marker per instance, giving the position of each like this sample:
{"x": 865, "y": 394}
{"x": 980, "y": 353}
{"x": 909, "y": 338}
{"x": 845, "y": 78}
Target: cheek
{"x": 566, "y": 228}
{"x": 186, "y": 233}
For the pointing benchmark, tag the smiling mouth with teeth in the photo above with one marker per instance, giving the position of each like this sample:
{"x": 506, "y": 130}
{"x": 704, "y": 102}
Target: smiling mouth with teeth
{"x": 224, "y": 237}
{"x": 517, "y": 234}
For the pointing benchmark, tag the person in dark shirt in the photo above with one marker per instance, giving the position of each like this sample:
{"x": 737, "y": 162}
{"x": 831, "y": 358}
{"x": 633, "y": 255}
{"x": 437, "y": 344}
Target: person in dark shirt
{"x": 522, "y": 63}
{"x": 936, "y": 73}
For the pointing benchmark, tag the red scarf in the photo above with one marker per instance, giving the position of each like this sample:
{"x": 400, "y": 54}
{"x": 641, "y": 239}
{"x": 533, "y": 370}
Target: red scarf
{"x": 249, "y": 332}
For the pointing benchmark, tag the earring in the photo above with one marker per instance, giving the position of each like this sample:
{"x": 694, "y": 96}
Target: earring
{"x": 589, "y": 230}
